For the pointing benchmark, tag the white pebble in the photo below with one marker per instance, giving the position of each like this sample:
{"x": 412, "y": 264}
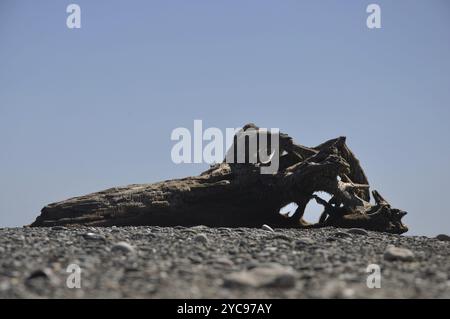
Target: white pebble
{"x": 267, "y": 227}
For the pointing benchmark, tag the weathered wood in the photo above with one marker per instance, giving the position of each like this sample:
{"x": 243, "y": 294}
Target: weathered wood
{"x": 238, "y": 195}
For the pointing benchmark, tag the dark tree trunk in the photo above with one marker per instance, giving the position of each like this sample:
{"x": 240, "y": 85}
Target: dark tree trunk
{"x": 238, "y": 195}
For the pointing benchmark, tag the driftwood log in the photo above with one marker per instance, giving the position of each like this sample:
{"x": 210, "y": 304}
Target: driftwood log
{"x": 238, "y": 195}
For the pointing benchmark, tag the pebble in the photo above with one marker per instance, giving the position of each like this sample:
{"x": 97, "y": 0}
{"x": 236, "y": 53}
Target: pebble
{"x": 199, "y": 227}
{"x": 396, "y": 253}
{"x": 282, "y": 237}
{"x": 123, "y": 247}
{"x": 224, "y": 261}
{"x": 93, "y": 236}
{"x": 189, "y": 231}
{"x": 4, "y": 286}
{"x": 443, "y": 237}
{"x": 59, "y": 228}
{"x": 441, "y": 276}
{"x": 304, "y": 241}
{"x": 45, "y": 273}
{"x": 358, "y": 231}
{"x": 195, "y": 259}
{"x": 201, "y": 238}
{"x": 267, "y": 227}
{"x": 336, "y": 289}
{"x": 40, "y": 273}
{"x": 340, "y": 234}
{"x": 262, "y": 277}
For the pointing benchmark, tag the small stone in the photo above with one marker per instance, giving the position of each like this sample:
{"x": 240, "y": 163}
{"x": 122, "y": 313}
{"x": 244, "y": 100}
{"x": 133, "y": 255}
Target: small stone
{"x": 340, "y": 234}
{"x": 93, "y": 236}
{"x": 441, "y": 276}
{"x": 275, "y": 276}
{"x": 395, "y": 253}
{"x": 336, "y": 289}
{"x": 304, "y": 241}
{"x": 199, "y": 227}
{"x": 123, "y": 247}
{"x": 201, "y": 238}
{"x": 45, "y": 274}
{"x": 195, "y": 259}
{"x": 224, "y": 262}
{"x": 4, "y": 285}
{"x": 282, "y": 237}
{"x": 40, "y": 273}
{"x": 443, "y": 237}
{"x": 189, "y": 231}
{"x": 59, "y": 228}
{"x": 357, "y": 231}
{"x": 267, "y": 227}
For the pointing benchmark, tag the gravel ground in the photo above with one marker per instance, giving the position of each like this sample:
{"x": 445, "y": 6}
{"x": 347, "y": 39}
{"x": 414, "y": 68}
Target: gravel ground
{"x": 202, "y": 262}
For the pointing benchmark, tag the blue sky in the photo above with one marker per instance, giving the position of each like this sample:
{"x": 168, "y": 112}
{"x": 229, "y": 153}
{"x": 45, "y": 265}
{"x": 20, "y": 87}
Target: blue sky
{"x": 83, "y": 110}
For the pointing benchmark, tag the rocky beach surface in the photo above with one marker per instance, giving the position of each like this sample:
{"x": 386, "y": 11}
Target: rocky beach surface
{"x": 202, "y": 262}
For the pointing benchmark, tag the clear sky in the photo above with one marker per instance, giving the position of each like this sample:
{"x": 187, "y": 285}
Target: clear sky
{"x": 86, "y": 109}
